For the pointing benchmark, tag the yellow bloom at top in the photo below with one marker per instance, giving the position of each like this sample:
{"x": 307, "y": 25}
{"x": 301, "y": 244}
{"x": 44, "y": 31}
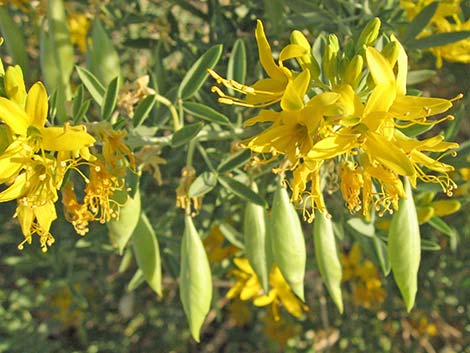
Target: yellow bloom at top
{"x": 279, "y": 87}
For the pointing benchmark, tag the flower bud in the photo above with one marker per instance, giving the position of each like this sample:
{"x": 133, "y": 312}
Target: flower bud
{"x": 369, "y": 34}
{"x": 353, "y": 71}
{"x": 307, "y": 62}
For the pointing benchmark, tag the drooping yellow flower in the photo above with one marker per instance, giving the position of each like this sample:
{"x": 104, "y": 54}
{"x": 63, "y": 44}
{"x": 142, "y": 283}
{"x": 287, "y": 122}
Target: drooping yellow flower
{"x": 248, "y": 287}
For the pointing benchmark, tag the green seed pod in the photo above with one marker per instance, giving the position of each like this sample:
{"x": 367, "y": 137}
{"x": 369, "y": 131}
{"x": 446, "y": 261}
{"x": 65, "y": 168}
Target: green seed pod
{"x": 122, "y": 228}
{"x": 353, "y": 71}
{"x": 369, "y": 34}
{"x": 404, "y": 247}
{"x": 287, "y": 241}
{"x": 195, "y": 279}
{"x": 254, "y": 232}
{"x": 307, "y": 62}
{"x": 327, "y": 257}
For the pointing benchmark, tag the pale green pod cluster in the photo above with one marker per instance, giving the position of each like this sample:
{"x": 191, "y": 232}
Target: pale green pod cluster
{"x": 404, "y": 247}
{"x": 195, "y": 279}
{"x": 254, "y": 232}
{"x": 287, "y": 241}
{"x": 327, "y": 257}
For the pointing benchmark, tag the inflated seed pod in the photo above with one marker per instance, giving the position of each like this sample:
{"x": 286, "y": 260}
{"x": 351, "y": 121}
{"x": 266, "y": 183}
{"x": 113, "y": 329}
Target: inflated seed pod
{"x": 287, "y": 241}
{"x": 195, "y": 279}
{"x": 404, "y": 247}
{"x": 327, "y": 257}
{"x": 254, "y": 232}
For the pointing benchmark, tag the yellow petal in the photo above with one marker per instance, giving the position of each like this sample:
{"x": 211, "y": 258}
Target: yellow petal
{"x": 402, "y": 71}
{"x": 25, "y": 216}
{"x": 266, "y": 56}
{"x": 445, "y": 207}
{"x": 265, "y": 299}
{"x": 331, "y": 147}
{"x": 15, "y": 190}
{"x": 379, "y": 67}
{"x": 292, "y": 51}
{"x": 411, "y": 107}
{"x": 14, "y": 85}
{"x": 293, "y": 98}
{"x": 380, "y": 100}
{"x": 388, "y": 154}
{"x": 11, "y": 161}
{"x": 65, "y": 138}
{"x": 36, "y": 105}
{"x": 45, "y": 215}
{"x": 15, "y": 117}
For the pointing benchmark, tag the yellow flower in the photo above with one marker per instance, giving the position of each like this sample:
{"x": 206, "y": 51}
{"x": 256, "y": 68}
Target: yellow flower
{"x": 248, "y": 287}
{"x": 445, "y": 20}
{"x": 364, "y": 278}
{"x": 34, "y": 164}
{"x": 279, "y": 86}
{"x": 79, "y": 26}
{"x": 215, "y": 248}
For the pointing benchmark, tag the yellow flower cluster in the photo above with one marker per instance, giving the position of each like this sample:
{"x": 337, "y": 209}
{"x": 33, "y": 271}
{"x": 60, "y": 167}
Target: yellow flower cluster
{"x": 248, "y": 287}
{"x": 345, "y": 116}
{"x": 364, "y": 278}
{"x": 35, "y": 158}
{"x": 446, "y": 19}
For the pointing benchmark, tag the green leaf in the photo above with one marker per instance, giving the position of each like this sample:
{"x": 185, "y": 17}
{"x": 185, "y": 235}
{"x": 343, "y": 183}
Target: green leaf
{"x": 92, "y": 84}
{"x": 439, "y": 224}
{"x": 361, "y": 226}
{"x": 380, "y": 250}
{"x": 143, "y": 110}
{"x": 204, "y": 183}
{"x": 78, "y": 100}
{"x": 186, "y": 134}
{"x": 110, "y": 99}
{"x": 416, "y": 130}
{"x": 204, "y": 112}
{"x": 147, "y": 253}
{"x": 439, "y": 39}
{"x": 231, "y": 234}
{"x": 234, "y": 161}
{"x": 136, "y": 280}
{"x": 254, "y": 235}
{"x": 195, "y": 279}
{"x": 287, "y": 241}
{"x": 103, "y": 60}
{"x": 236, "y": 69}
{"x": 404, "y": 247}
{"x": 121, "y": 229}
{"x": 241, "y": 190}
{"x": 429, "y": 245}
{"x": 327, "y": 257}
{"x": 49, "y": 68}
{"x": 197, "y": 74}
{"x": 77, "y": 118}
{"x": 14, "y": 40}
{"x": 418, "y": 76}
{"x": 418, "y": 23}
